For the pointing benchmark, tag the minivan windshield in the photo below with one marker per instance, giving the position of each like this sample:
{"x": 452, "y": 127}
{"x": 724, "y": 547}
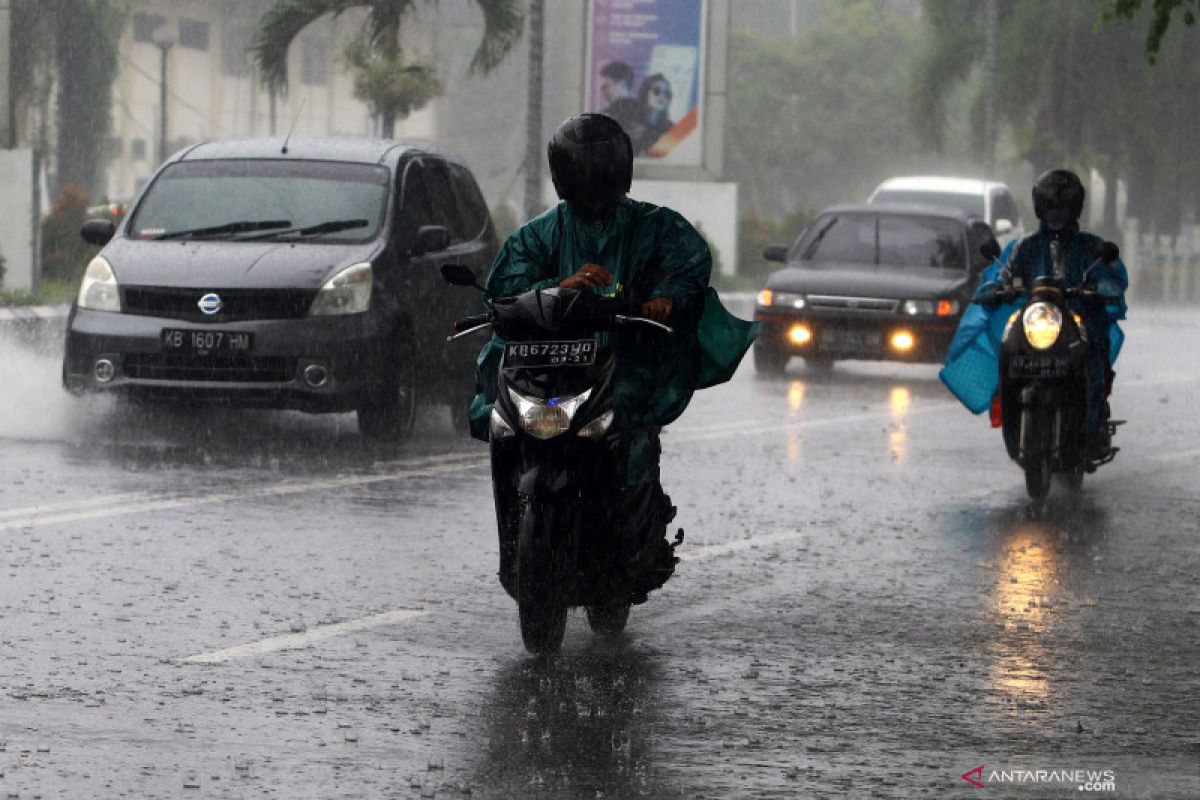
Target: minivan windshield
{"x": 285, "y": 200}
{"x": 890, "y": 240}
{"x": 970, "y": 203}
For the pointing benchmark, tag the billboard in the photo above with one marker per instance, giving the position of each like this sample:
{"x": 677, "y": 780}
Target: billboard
{"x": 645, "y": 68}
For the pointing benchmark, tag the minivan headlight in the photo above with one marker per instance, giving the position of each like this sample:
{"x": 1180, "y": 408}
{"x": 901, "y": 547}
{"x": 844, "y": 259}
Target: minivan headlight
{"x": 769, "y": 297}
{"x": 1042, "y": 323}
{"x": 348, "y": 292}
{"x": 99, "y": 290}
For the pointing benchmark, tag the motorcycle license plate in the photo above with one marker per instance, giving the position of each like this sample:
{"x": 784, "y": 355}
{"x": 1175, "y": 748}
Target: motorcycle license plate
{"x": 1037, "y": 367}
{"x": 206, "y": 342}
{"x": 572, "y": 353}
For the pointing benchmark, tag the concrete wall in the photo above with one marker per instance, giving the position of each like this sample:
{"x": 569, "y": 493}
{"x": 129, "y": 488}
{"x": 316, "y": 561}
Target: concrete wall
{"x": 17, "y": 224}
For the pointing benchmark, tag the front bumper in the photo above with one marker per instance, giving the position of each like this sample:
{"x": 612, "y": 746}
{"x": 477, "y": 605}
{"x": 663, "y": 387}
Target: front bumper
{"x": 855, "y": 335}
{"x": 350, "y": 349}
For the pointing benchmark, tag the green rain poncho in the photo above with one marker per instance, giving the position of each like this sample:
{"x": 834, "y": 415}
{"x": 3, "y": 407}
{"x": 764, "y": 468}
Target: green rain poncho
{"x": 651, "y": 252}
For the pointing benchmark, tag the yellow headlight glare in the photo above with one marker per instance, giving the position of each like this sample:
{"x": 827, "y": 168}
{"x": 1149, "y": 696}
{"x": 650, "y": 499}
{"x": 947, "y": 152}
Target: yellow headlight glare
{"x": 1042, "y": 323}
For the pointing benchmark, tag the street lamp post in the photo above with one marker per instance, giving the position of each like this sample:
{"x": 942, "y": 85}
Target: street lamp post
{"x": 165, "y": 41}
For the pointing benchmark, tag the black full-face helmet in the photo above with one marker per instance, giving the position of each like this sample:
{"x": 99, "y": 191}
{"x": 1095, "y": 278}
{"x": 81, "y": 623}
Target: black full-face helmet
{"x": 1058, "y": 198}
{"x": 591, "y": 159}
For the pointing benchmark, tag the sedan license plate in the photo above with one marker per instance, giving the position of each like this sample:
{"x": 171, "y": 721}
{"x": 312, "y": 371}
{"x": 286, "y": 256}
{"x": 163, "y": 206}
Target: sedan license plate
{"x": 835, "y": 339}
{"x": 206, "y": 342}
{"x": 1037, "y": 367}
{"x": 574, "y": 353}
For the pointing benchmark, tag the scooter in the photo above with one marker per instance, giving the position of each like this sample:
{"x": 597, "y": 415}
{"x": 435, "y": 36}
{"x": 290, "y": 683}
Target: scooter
{"x": 1043, "y": 398}
{"x": 556, "y": 466}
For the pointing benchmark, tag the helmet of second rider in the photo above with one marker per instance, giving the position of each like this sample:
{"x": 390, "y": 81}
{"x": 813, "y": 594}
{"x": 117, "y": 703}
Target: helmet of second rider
{"x": 1058, "y": 198}
{"x": 591, "y": 161}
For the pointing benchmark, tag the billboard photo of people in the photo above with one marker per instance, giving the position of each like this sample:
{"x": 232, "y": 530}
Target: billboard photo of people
{"x": 645, "y": 68}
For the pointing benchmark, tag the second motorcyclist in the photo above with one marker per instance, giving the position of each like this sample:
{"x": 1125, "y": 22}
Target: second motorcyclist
{"x": 598, "y": 239}
{"x": 1058, "y": 197}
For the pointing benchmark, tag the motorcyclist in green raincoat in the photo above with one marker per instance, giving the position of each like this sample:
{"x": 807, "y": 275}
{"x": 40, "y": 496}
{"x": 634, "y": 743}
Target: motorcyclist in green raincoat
{"x": 597, "y": 238}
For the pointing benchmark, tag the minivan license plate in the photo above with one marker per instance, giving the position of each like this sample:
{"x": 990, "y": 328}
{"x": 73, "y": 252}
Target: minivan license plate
{"x": 206, "y": 342}
{"x": 573, "y": 353}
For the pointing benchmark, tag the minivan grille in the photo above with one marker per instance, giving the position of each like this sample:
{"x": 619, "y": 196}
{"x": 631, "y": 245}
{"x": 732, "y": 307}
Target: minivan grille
{"x": 236, "y": 304}
{"x": 875, "y": 304}
{"x": 233, "y": 369}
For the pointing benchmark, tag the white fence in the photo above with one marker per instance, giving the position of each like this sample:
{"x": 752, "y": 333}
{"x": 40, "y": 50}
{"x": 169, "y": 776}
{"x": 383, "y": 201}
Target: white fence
{"x": 1163, "y": 268}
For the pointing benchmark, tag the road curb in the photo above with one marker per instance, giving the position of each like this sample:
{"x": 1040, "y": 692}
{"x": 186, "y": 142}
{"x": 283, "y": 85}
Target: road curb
{"x": 33, "y": 313}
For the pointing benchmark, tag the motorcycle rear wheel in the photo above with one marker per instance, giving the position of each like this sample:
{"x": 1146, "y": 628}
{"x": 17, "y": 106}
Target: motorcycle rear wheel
{"x": 608, "y": 620}
{"x": 1073, "y": 480}
{"x": 542, "y": 612}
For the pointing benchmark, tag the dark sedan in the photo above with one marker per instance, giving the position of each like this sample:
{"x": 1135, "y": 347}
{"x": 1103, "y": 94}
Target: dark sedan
{"x": 869, "y": 282}
{"x": 300, "y": 275}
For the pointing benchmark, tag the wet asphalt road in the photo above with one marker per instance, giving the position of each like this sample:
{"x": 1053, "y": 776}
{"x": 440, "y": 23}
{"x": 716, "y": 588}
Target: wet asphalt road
{"x": 235, "y": 605}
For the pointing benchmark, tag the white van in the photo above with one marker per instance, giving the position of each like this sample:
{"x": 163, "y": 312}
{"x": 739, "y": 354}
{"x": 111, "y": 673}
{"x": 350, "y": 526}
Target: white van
{"x": 987, "y": 199}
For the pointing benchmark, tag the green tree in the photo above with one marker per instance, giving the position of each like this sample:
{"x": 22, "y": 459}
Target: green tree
{"x": 1161, "y": 12}
{"x": 820, "y": 118}
{"x": 385, "y": 79}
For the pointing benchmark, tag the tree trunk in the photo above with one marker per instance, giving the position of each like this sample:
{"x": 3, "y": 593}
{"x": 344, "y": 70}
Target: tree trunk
{"x": 388, "y": 125}
{"x": 534, "y": 147}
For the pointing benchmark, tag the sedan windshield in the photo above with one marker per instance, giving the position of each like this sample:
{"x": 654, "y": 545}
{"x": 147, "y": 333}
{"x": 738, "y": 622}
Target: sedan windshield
{"x": 244, "y": 198}
{"x": 898, "y": 241}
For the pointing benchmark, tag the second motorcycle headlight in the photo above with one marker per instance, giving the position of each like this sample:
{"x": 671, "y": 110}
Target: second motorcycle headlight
{"x": 549, "y": 418}
{"x": 1043, "y": 323}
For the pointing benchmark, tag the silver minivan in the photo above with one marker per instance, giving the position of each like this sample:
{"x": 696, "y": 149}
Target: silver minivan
{"x": 989, "y": 200}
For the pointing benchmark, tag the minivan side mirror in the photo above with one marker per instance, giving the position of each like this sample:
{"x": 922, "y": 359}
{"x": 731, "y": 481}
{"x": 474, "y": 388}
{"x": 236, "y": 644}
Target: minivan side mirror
{"x": 1003, "y": 226}
{"x": 775, "y": 252}
{"x": 430, "y": 239}
{"x": 98, "y": 231}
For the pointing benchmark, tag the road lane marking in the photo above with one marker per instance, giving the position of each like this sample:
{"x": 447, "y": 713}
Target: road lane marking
{"x": 704, "y": 551}
{"x": 279, "y": 490}
{"x": 43, "y": 508}
{"x": 295, "y": 641}
{"x": 750, "y": 428}
{"x": 1181, "y": 455}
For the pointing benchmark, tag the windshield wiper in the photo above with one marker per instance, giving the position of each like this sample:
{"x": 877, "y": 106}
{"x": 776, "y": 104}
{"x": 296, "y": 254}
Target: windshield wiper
{"x": 228, "y": 228}
{"x": 333, "y": 226}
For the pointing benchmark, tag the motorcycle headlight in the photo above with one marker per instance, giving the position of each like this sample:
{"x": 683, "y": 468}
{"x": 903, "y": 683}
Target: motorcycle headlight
{"x": 348, "y": 292}
{"x": 1042, "y": 323}
{"x": 550, "y": 418}
{"x": 99, "y": 290}
{"x": 498, "y": 427}
{"x": 597, "y": 427}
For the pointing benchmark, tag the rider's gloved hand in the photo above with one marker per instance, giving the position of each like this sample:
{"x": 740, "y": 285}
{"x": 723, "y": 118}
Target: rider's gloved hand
{"x": 658, "y": 309}
{"x": 988, "y": 295}
{"x": 589, "y": 276}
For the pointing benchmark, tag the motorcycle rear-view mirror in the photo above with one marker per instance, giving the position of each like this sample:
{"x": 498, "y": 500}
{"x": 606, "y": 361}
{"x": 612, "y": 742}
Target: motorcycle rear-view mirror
{"x": 459, "y": 275}
{"x": 990, "y": 250}
{"x": 1109, "y": 251}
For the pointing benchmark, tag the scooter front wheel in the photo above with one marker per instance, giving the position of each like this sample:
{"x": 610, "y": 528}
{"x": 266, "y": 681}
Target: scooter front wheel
{"x": 1037, "y": 478}
{"x": 541, "y": 607}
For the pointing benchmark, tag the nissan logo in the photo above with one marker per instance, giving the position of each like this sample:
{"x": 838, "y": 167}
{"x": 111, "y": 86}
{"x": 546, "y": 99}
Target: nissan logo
{"x": 210, "y": 303}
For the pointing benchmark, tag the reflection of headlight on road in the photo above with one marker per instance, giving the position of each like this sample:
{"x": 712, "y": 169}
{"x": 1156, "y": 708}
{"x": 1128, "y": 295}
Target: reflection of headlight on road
{"x": 1042, "y": 325}
{"x": 545, "y": 420}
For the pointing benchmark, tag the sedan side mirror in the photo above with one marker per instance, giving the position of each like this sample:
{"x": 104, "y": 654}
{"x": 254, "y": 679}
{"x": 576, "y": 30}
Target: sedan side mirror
{"x": 98, "y": 231}
{"x": 430, "y": 239}
{"x": 775, "y": 252}
{"x": 1002, "y": 227}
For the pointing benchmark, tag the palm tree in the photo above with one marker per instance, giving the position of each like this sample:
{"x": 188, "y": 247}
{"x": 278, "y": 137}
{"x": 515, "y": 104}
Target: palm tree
{"x": 391, "y": 86}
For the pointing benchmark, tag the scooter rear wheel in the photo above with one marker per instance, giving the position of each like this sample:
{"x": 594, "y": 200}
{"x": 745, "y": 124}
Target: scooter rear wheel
{"x": 542, "y": 612}
{"x": 608, "y": 620}
{"x": 1073, "y": 480}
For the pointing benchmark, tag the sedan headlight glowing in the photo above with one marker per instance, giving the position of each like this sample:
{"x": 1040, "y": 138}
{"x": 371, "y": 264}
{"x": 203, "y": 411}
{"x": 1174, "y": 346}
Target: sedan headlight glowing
{"x": 348, "y": 292}
{"x": 768, "y": 297}
{"x": 1042, "y": 323}
{"x": 916, "y": 308}
{"x": 99, "y": 290}
{"x": 545, "y": 420}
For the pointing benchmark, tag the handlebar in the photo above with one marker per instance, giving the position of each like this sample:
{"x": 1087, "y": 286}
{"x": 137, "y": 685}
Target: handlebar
{"x": 474, "y": 321}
